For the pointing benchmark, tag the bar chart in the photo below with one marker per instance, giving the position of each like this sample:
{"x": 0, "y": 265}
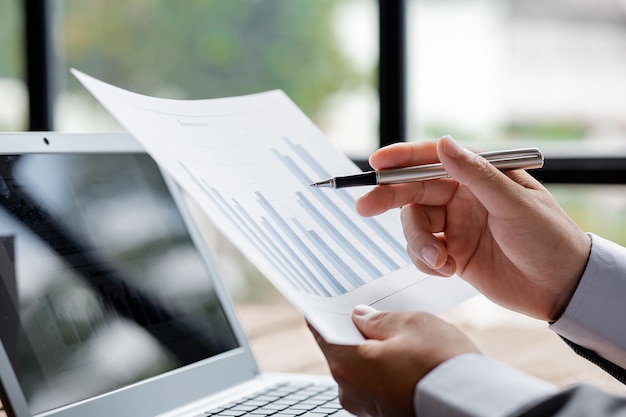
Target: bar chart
{"x": 320, "y": 249}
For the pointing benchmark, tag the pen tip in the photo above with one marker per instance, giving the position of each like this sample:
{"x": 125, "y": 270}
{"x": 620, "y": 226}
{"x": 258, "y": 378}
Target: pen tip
{"x": 325, "y": 183}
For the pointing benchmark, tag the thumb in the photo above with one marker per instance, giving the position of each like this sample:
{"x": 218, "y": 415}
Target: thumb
{"x": 372, "y": 324}
{"x": 495, "y": 190}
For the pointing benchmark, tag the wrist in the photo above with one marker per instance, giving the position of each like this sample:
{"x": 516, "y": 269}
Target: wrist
{"x": 564, "y": 297}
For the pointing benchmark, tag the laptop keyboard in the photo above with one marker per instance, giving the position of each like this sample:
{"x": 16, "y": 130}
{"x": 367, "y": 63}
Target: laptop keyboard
{"x": 285, "y": 399}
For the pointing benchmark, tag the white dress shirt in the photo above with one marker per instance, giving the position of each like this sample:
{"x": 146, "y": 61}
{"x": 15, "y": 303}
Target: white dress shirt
{"x": 472, "y": 385}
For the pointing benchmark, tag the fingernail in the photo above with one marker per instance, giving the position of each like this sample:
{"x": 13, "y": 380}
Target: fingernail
{"x": 446, "y": 270}
{"x": 363, "y": 310}
{"x": 451, "y": 147}
{"x": 430, "y": 254}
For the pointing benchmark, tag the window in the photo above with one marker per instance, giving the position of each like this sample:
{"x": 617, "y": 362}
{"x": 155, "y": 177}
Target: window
{"x": 13, "y": 106}
{"x": 552, "y": 74}
{"x": 598, "y": 209}
{"x": 321, "y": 53}
{"x": 494, "y": 73}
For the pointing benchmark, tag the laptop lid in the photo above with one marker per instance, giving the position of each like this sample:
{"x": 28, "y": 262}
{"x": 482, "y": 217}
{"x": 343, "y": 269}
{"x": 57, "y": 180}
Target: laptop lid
{"x": 109, "y": 302}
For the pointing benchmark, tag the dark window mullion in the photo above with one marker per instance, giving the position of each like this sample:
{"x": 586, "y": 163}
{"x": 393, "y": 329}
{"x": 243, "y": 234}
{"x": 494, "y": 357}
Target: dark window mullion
{"x": 582, "y": 170}
{"x": 392, "y": 71}
{"x": 38, "y": 21}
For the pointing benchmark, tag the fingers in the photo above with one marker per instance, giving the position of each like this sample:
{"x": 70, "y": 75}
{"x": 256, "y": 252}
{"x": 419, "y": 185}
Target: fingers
{"x": 386, "y": 197}
{"x": 405, "y": 154}
{"x": 421, "y": 226}
{"x": 374, "y": 324}
{"x": 493, "y": 188}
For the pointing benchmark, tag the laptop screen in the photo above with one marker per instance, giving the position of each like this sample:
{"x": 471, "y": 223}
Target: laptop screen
{"x": 100, "y": 283}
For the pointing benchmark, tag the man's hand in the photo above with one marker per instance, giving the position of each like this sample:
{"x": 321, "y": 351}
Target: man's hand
{"x": 502, "y": 232}
{"x": 378, "y": 377}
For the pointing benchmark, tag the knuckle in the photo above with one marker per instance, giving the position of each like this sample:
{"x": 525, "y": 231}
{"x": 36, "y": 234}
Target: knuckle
{"x": 482, "y": 168}
{"x": 369, "y": 353}
{"x": 482, "y": 165}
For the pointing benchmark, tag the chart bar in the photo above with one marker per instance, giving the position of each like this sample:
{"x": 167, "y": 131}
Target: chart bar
{"x": 337, "y": 286}
{"x": 320, "y": 171}
{"x": 234, "y": 218}
{"x": 257, "y": 239}
{"x": 346, "y": 272}
{"x": 338, "y": 237}
{"x": 293, "y": 237}
{"x": 289, "y": 270}
{"x": 299, "y": 267}
{"x": 304, "y": 155}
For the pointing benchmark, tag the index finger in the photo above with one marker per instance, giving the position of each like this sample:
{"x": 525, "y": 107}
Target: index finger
{"x": 405, "y": 154}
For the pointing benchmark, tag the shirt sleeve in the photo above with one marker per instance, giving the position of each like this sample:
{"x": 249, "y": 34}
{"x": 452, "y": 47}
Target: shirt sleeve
{"x": 472, "y": 385}
{"x": 594, "y": 316}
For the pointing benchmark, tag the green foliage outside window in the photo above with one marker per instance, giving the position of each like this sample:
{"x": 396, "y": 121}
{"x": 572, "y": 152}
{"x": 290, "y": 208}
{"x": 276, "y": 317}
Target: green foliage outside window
{"x": 209, "y": 48}
{"x": 11, "y": 54}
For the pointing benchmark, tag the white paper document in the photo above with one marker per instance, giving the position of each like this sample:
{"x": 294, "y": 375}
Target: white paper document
{"x": 249, "y": 161}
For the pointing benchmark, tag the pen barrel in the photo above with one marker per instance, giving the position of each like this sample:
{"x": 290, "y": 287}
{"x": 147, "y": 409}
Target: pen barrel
{"x": 527, "y": 158}
{"x": 412, "y": 174}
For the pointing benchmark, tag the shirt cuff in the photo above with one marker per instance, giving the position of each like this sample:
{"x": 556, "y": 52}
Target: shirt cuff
{"x": 472, "y": 385}
{"x": 594, "y": 316}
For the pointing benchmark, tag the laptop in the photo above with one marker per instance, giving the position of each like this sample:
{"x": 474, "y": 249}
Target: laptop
{"x": 110, "y": 304}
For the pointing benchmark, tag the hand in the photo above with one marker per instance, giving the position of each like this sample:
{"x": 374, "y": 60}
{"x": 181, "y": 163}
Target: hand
{"x": 502, "y": 232}
{"x": 378, "y": 377}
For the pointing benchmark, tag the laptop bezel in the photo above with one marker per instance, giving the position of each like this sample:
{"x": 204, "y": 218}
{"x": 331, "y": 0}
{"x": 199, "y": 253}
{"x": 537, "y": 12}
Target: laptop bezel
{"x": 158, "y": 394}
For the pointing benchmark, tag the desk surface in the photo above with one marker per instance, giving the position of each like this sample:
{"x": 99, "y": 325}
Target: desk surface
{"x": 281, "y": 342}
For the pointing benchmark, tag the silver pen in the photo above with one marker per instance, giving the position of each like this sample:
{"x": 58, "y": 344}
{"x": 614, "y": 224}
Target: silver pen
{"x": 527, "y": 158}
